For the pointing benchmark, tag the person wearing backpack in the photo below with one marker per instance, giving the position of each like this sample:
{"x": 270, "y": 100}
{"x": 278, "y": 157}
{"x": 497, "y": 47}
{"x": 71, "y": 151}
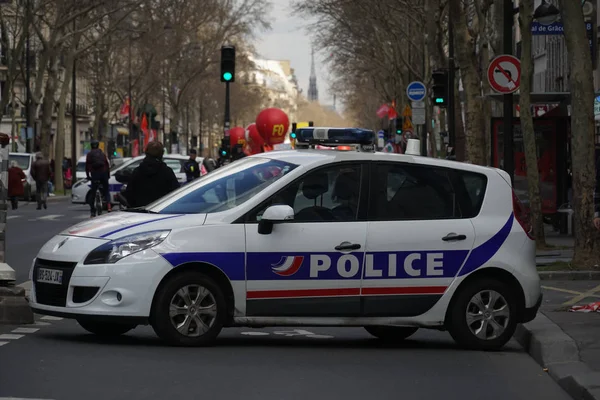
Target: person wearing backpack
{"x": 97, "y": 170}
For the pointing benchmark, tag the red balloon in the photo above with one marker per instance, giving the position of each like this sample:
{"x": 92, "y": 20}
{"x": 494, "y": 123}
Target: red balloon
{"x": 254, "y": 141}
{"x": 272, "y": 124}
{"x": 237, "y": 135}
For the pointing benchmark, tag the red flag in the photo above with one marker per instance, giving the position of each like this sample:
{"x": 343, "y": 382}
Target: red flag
{"x": 135, "y": 148}
{"x": 144, "y": 124}
{"x": 126, "y": 106}
{"x": 392, "y": 113}
{"x": 383, "y": 110}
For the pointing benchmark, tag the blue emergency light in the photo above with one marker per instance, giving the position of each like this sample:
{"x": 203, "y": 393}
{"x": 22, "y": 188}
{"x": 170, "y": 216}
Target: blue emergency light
{"x": 335, "y": 136}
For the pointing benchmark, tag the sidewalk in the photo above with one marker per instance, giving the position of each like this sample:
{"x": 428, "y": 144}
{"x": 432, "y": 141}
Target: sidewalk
{"x": 567, "y": 344}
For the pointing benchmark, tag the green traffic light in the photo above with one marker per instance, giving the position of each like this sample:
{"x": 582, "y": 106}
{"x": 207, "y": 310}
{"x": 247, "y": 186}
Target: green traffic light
{"x": 293, "y": 135}
{"x": 399, "y": 131}
{"x": 223, "y": 152}
{"x": 439, "y": 100}
{"x": 227, "y": 76}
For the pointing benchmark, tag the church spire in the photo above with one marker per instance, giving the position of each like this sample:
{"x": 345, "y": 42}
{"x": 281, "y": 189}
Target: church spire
{"x": 313, "y": 92}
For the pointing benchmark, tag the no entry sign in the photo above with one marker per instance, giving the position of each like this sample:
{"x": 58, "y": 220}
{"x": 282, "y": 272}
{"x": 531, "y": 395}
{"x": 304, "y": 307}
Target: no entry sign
{"x": 504, "y": 74}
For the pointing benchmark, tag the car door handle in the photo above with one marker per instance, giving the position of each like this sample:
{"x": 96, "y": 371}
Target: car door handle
{"x": 453, "y": 237}
{"x": 347, "y": 246}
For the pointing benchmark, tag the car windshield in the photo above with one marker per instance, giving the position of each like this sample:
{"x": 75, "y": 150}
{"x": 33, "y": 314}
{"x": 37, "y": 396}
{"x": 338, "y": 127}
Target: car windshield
{"x": 224, "y": 188}
{"x": 21, "y": 159}
{"x": 81, "y": 166}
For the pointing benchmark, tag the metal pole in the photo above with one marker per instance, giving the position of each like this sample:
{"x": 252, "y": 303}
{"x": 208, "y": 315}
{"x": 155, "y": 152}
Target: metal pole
{"x": 4, "y": 155}
{"x": 227, "y": 121}
{"x": 509, "y": 156}
{"x": 200, "y": 145}
{"x": 451, "y": 79}
{"x": 129, "y": 90}
{"x": 28, "y": 79}
{"x": 74, "y": 114}
{"x": 164, "y": 105}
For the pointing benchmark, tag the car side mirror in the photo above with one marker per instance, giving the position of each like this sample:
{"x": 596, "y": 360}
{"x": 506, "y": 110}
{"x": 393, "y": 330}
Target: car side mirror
{"x": 274, "y": 215}
{"x": 123, "y": 176}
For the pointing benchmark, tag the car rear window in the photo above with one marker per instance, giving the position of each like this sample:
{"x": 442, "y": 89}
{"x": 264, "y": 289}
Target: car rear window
{"x": 475, "y": 186}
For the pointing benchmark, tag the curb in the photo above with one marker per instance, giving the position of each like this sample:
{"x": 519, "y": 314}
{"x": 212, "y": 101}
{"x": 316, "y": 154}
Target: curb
{"x": 569, "y": 275}
{"x": 558, "y": 353}
{"x": 14, "y": 307}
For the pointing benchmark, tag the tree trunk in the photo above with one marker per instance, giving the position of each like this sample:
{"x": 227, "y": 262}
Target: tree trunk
{"x": 587, "y": 239}
{"x": 471, "y": 80}
{"x": 529, "y": 139}
{"x": 59, "y": 150}
{"x": 48, "y": 108}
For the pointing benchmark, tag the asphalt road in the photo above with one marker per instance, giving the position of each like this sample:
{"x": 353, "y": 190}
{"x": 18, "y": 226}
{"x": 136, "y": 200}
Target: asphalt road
{"x": 28, "y": 229}
{"x": 56, "y": 359}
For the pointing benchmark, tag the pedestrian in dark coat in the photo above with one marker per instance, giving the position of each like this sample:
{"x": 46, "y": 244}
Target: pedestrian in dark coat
{"x": 15, "y": 184}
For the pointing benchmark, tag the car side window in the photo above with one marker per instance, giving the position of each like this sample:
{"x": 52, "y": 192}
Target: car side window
{"x": 325, "y": 195}
{"x": 132, "y": 166}
{"x": 174, "y": 164}
{"x": 474, "y": 185}
{"x": 410, "y": 192}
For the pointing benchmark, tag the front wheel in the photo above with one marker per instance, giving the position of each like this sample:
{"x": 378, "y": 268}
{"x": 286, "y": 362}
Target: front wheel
{"x": 189, "y": 310}
{"x": 391, "y": 333}
{"x": 105, "y": 329}
{"x": 483, "y": 315}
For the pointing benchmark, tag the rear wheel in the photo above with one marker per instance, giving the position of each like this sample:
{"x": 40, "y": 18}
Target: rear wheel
{"x": 391, "y": 333}
{"x": 105, "y": 329}
{"x": 483, "y": 315}
{"x": 98, "y": 204}
{"x": 189, "y": 310}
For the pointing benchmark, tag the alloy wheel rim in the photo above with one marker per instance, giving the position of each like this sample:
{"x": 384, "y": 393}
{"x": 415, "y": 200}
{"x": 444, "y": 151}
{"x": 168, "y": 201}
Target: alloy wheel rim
{"x": 193, "y": 310}
{"x": 488, "y": 315}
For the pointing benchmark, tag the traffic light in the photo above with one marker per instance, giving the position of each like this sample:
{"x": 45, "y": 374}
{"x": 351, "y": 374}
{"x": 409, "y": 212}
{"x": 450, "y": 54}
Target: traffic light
{"x": 311, "y": 124}
{"x": 399, "y": 125}
{"x": 293, "y": 132}
{"x": 439, "y": 90}
{"x": 225, "y": 150}
{"x": 228, "y": 64}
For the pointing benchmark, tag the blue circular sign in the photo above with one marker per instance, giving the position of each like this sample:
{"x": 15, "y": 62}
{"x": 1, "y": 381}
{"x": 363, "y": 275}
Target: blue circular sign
{"x": 416, "y": 91}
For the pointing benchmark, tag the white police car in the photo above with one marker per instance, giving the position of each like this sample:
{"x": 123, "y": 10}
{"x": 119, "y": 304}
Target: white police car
{"x": 306, "y": 238}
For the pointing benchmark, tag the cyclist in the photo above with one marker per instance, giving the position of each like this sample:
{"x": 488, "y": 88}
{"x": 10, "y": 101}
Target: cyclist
{"x": 97, "y": 171}
{"x": 152, "y": 180}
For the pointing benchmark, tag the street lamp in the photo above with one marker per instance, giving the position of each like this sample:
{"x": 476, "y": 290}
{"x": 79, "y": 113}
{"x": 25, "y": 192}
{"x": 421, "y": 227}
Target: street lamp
{"x": 546, "y": 13}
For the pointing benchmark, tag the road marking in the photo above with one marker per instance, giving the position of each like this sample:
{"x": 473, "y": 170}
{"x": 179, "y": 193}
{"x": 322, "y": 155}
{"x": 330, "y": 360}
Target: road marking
{"x": 51, "y": 318}
{"x": 51, "y": 217}
{"x": 82, "y": 217}
{"x": 13, "y": 217}
{"x": 295, "y": 332}
{"x": 561, "y": 290}
{"x": 8, "y": 336}
{"x": 25, "y": 330}
{"x": 255, "y": 333}
{"x": 20, "y": 398}
{"x": 3, "y": 343}
{"x": 590, "y": 293}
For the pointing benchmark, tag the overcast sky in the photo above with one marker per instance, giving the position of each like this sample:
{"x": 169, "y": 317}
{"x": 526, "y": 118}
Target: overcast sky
{"x": 288, "y": 40}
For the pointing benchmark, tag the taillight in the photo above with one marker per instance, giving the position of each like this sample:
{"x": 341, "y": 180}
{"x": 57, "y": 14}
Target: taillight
{"x": 522, "y": 216}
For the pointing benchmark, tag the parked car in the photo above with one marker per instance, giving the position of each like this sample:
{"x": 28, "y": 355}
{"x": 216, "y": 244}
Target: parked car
{"x": 80, "y": 189}
{"x": 25, "y": 161}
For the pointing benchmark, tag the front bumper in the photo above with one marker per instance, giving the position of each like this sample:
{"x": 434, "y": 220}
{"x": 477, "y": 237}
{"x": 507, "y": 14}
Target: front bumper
{"x": 530, "y": 313}
{"x": 107, "y": 291}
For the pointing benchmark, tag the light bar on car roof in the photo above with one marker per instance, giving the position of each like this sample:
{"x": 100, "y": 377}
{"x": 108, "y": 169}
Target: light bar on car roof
{"x": 334, "y": 137}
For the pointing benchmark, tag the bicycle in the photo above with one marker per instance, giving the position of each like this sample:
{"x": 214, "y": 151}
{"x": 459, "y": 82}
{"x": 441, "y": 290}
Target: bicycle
{"x": 98, "y": 198}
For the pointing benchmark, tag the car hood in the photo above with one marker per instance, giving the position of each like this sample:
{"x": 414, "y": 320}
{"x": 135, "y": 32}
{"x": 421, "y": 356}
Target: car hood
{"x": 120, "y": 224}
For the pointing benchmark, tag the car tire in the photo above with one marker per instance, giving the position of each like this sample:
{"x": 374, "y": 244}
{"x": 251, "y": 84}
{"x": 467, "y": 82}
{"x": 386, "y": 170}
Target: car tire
{"x": 105, "y": 329}
{"x": 492, "y": 308}
{"x": 195, "y": 319}
{"x": 391, "y": 333}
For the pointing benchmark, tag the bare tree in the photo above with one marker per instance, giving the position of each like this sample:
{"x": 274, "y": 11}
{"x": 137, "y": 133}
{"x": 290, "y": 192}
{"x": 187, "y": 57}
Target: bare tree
{"x": 587, "y": 239}
{"x": 529, "y": 139}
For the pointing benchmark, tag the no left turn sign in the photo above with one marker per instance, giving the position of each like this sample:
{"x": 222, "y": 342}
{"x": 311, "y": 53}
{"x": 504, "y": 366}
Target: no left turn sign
{"x": 504, "y": 74}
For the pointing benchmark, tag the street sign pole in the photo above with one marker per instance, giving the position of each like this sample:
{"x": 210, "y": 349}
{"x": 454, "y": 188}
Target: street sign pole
{"x": 509, "y": 156}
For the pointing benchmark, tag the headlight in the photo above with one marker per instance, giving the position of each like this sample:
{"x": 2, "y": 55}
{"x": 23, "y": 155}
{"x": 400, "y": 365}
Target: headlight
{"x": 113, "y": 251}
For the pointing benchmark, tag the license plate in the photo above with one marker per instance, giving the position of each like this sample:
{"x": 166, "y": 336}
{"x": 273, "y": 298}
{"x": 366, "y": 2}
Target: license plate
{"x": 52, "y": 276}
